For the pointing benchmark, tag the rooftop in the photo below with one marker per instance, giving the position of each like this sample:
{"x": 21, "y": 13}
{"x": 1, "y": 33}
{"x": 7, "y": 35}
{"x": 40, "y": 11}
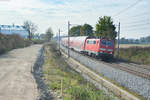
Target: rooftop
{"x": 11, "y": 27}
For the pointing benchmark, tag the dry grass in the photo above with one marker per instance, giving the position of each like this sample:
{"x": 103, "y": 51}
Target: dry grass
{"x": 9, "y": 42}
{"x": 13, "y": 41}
{"x": 135, "y": 54}
{"x": 138, "y": 53}
{"x": 133, "y": 45}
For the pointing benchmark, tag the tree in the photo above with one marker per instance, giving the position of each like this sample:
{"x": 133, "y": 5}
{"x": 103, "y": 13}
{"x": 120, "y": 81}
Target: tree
{"x": 75, "y": 31}
{"x": 49, "y": 34}
{"x": 105, "y": 28}
{"x": 86, "y": 30}
{"x": 30, "y": 27}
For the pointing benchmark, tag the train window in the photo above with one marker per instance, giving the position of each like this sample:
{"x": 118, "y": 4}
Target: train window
{"x": 103, "y": 42}
{"x": 87, "y": 42}
{"x": 109, "y": 43}
{"x": 91, "y": 42}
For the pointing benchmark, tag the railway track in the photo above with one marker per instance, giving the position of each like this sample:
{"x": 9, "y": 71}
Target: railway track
{"x": 98, "y": 80}
{"x": 134, "y": 77}
{"x": 135, "y": 69}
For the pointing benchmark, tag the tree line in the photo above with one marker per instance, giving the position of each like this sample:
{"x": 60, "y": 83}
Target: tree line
{"x": 142, "y": 40}
{"x": 105, "y": 28}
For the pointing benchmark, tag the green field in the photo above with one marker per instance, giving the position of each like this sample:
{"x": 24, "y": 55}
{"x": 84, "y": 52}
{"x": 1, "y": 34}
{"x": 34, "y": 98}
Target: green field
{"x": 133, "y": 45}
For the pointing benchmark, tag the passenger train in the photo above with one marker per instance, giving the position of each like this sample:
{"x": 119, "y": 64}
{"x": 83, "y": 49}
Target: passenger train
{"x": 97, "y": 47}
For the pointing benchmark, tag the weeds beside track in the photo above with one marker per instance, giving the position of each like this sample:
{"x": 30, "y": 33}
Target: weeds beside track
{"x": 56, "y": 72}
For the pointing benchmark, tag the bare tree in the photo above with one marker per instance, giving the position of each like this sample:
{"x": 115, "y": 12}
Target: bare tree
{"x": 30, "y": 28}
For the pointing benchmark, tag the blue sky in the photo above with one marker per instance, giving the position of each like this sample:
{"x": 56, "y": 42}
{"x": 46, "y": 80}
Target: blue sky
{"x": 135, "y": 22}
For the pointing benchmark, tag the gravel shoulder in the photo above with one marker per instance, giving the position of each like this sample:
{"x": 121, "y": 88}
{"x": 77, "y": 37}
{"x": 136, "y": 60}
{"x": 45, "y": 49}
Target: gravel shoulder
{"x": 16, "y": 80}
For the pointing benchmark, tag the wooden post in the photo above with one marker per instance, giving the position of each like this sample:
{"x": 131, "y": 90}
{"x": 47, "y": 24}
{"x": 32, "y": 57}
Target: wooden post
{"x": 61, "y": 90}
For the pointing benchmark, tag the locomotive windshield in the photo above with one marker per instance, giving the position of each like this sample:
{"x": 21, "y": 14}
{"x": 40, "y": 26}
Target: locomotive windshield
{"x": 109, "y": 43}
{"x": 103, "y": 42}
{"x": 106, "y": 43}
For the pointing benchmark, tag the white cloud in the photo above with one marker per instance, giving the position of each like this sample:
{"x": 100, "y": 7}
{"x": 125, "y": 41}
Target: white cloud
{"x": 56, "y": 14}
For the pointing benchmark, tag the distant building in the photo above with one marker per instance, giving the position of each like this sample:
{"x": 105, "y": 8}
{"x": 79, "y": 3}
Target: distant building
{"x": 42, "y": 36}
{"x": 13, "y": 29}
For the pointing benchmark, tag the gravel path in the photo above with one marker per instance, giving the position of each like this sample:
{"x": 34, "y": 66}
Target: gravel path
{"x": 16, "y": 80}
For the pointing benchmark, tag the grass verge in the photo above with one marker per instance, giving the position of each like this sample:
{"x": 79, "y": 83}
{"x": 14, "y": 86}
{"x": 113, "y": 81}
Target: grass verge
{"x": 58, "y": 74}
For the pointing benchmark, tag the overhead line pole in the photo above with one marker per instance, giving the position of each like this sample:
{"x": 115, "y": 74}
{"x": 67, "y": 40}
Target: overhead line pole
{"x": 59, "y": 39}
{"x": 118, "y": 41}
{"x": 69, "y": 25}
{"x": 68, "y": 39}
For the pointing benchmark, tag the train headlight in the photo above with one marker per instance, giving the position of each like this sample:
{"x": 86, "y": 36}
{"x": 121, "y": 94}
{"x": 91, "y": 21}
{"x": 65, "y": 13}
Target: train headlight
{"x": 103, "y": 49}
{"x": 110, "y": 50}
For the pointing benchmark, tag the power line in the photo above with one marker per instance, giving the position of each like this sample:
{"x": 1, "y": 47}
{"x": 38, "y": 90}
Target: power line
{"x": 137, "y": 25}
{"x": 130, "y": 20}
{"x": 137, "y": 28}
{"x": 145, "y": 28}
{"x": 129, "y": 7}
{"x": 137, "y": 22}
{"x": 134, "y": 19}
{"x": 141, "y": 14}
{"x": 142, "y": 30}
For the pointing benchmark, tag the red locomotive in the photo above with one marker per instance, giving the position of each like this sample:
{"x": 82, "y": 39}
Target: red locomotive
{"x": 103, "y": 48}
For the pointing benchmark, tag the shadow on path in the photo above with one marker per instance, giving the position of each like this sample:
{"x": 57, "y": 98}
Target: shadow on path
{"x": 44, "y": 91}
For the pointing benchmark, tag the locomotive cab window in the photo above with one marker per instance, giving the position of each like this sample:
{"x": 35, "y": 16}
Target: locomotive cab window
{"x": 87, "y": 42}
{"x": 103, "y": 42}
{"x": 94, "y": 42}
{"x": 109, "y": 43}
{"x": 91, "y": 42}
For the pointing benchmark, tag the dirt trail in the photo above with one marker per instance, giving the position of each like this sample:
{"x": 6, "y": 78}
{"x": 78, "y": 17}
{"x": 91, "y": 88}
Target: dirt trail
{"x": 16, "y": 79}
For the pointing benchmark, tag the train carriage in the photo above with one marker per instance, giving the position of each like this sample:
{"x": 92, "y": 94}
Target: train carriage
{"x": 103, "y": 48}
{"x": 76, "y": 43}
